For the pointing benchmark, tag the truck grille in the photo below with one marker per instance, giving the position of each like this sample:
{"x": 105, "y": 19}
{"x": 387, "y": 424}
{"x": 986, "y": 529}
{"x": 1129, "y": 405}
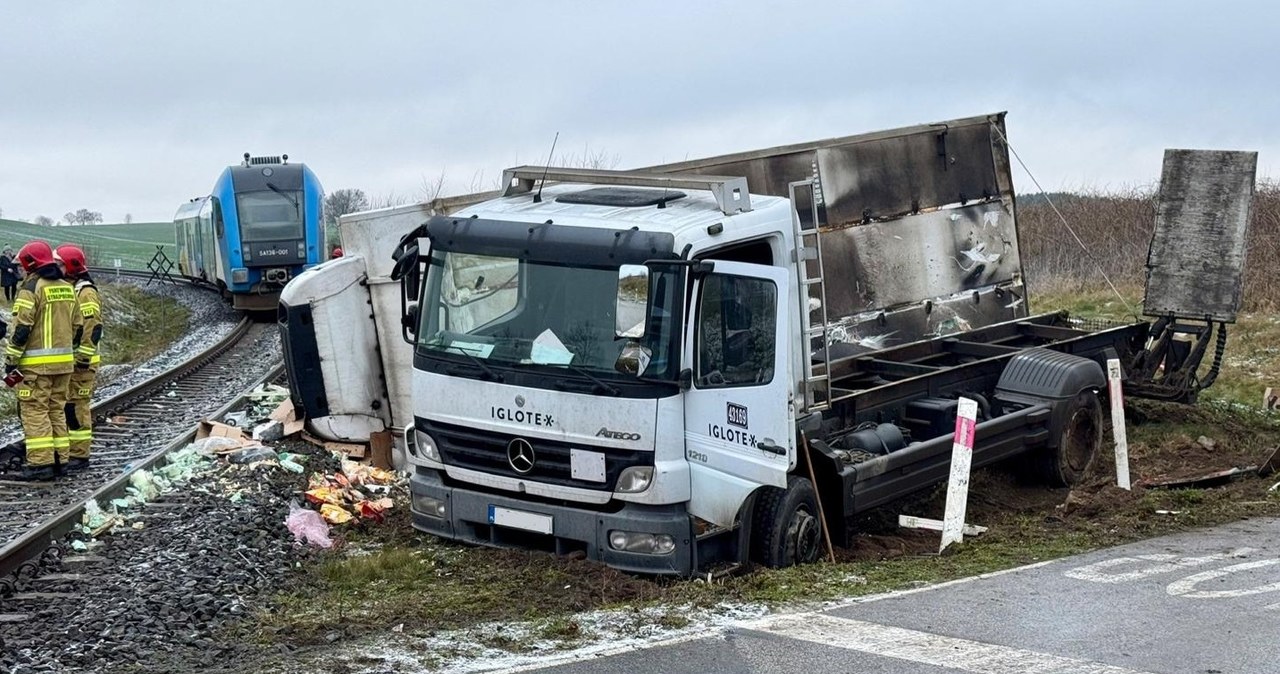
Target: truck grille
{"x": 486, "y": 451}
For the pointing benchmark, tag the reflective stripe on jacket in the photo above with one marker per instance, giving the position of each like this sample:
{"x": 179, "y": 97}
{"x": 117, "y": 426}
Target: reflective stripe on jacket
{"x": 47, "y": 322}
{"x": 91, "y": 313}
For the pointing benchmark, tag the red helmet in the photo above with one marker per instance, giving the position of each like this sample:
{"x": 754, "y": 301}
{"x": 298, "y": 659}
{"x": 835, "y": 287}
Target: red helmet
{"x": 72, "y": 259}
{"x": 35, "y": 255}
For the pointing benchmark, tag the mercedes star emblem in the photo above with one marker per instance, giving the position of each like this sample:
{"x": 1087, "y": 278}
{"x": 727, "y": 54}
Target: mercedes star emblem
{"x": 520, "y": 455}
{"x": 519, "y": 401}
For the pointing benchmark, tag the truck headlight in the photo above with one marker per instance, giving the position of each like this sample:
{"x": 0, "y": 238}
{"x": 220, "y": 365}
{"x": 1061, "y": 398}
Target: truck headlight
{"x": 635, "y": 479}
{"x": 423, "y": 446}
{"x": 431, "y": 507}
{"x": 240, "y": 275}
{"x": 646, "y": 544}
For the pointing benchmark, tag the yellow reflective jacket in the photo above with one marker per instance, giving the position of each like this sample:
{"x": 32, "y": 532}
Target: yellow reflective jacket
{"x": 91, "y": 313}
{"x": 47, "y": 325}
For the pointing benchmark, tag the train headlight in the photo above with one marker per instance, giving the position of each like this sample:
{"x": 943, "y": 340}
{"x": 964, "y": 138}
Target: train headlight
{"x": 302, "y": 249}
{"x": 240, "y": 275}
{"x": 244, "y": 251}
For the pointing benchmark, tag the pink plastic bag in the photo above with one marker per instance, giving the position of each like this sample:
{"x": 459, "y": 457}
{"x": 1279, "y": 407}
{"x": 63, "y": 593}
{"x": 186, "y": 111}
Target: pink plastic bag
{"x": 307, "y": 526}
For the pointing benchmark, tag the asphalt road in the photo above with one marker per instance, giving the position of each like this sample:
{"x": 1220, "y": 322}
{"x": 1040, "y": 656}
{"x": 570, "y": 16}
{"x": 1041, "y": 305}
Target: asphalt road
{"x": 1206, "y": 601}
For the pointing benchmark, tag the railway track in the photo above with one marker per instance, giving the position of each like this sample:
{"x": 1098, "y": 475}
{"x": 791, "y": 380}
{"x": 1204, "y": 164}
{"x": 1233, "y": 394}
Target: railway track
{"x": 132, "y": 430}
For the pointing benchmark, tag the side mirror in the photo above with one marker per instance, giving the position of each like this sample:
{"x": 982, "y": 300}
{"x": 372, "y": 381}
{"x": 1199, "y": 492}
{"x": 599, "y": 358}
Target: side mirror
{"x": 632, "y": 301}
{"x": 409, "y": 321}
{"x": 409, "y": 274}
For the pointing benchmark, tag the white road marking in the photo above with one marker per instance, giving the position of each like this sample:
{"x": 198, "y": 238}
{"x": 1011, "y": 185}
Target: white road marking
{"x": 589, "y": 653}
{"x": 926, "y": 648}
{"x": 1186, "y": 587}
{"x": 1163, "y": 563}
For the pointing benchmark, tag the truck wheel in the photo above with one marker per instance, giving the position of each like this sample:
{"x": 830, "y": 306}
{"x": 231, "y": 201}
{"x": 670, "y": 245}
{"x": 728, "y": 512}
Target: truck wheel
{"x": 1078, "y": 442}
{"x": 786, "y": 530}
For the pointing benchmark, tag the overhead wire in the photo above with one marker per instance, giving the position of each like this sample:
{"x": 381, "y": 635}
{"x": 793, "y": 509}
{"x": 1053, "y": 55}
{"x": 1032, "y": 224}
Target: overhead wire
{"x": 1066, "y": 224}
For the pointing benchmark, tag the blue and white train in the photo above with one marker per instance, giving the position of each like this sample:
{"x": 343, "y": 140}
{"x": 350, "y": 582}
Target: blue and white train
{"x": 261, "y": 226}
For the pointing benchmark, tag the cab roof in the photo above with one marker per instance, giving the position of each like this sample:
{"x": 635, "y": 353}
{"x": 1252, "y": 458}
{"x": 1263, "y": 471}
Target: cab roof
{"x": 684, "y": 217}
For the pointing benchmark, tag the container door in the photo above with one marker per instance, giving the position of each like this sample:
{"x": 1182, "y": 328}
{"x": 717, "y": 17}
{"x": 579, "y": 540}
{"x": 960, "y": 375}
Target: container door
{"x": 738, "y": 417}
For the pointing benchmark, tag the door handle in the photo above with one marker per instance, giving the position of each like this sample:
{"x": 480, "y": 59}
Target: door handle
{"x": 771, "y": 448}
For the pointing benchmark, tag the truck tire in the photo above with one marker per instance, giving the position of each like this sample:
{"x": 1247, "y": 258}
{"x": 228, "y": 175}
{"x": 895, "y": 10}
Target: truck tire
{"x": 1078, "y": 442}
{"x": 786, "y": 530}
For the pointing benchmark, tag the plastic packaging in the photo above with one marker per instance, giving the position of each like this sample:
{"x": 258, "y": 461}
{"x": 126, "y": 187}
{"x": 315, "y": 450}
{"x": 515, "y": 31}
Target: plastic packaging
{"x": 291, "y": 462}
{"x": 252, "y": 454}
{"x": 308, "y": 526}
{"x": 335, "y": 514}
{"x": 213, "y": 444}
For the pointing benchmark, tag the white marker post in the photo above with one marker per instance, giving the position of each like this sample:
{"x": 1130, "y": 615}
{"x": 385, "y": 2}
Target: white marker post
{"x": 117, "y": 265}
{"x": 958, "y": 483}
{"x": 1116, "y": 393}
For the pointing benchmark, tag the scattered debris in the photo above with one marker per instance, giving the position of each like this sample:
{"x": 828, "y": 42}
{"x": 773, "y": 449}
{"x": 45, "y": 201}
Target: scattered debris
{"x": 308, "y": 526}
{"x": 1214, "y": 479}
{"x": 1206, "y": 442}
{"x": 1169, "y": 512}
{"x": 268, "y": 431}
{"x": 911, "y": 522}
{"x": 352, "y": 489}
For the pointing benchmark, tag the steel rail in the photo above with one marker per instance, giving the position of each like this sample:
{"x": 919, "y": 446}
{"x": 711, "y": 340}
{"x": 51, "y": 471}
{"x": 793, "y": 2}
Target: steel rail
{"x": 33, "y": 542}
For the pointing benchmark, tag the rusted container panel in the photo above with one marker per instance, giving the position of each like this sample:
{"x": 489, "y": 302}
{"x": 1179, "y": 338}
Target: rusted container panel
{"x": 931, "y": 255}
{"x": 1196, "y": 261}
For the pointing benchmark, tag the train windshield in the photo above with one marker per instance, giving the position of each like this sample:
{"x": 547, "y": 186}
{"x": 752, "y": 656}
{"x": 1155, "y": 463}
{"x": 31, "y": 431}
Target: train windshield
{"x": 270, "y": 215}
{"x": 509, "y": 312}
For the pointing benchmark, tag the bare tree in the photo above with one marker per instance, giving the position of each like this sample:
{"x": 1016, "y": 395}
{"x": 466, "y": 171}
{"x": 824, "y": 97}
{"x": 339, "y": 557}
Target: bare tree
{"x": 342, "y": 202}
{"x": 83, "y": 216}
{"x": 432, "y": 188}
{"x": 589, "y": 159}
{"x": 128, "y": 218}
{"x": 44, "y": 221}
{"x": 390, "y": 200}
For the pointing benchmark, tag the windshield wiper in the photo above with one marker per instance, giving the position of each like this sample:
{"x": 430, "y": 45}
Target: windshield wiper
{"x": 284, "y": 194}
{"x": 489, "y": 373}
{"x": 600, "y": 384}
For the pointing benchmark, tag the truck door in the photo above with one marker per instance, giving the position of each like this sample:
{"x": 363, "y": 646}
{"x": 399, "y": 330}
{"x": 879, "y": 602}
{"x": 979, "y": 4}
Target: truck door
{"x": 738, "y": 418}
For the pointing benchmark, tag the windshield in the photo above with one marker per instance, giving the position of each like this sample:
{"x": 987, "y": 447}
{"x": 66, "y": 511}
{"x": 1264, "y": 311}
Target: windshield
{"x": 520, "y": 313}
{"x": 270, "y": 215}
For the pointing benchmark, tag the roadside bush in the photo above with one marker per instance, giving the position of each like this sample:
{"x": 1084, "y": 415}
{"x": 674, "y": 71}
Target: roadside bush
{"x": 1116, "y": 227}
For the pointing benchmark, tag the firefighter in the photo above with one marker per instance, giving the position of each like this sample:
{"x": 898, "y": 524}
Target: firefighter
{"x": 40, "y": 358}
{"x": 80, "y": 393}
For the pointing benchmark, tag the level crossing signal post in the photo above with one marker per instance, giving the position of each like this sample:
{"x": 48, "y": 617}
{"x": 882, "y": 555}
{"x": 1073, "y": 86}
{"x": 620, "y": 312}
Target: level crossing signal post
{"x": 160, "y": 266}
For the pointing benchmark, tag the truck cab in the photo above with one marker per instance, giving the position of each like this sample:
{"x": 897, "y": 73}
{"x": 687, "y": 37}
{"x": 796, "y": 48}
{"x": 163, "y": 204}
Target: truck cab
{"x": 594, "y": 367}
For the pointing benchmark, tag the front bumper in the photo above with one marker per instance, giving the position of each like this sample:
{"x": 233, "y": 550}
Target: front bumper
{"x": 573, "y": 529}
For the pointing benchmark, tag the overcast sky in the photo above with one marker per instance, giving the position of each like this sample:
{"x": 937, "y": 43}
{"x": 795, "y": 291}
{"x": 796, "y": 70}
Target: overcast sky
{"x": 135, "y": 107}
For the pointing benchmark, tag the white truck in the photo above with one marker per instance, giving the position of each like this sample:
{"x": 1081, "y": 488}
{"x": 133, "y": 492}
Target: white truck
{"x": 648, "y": 366}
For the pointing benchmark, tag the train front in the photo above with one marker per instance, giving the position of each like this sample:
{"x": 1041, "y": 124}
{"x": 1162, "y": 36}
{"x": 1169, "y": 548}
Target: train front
{"x": 271, "y": 229}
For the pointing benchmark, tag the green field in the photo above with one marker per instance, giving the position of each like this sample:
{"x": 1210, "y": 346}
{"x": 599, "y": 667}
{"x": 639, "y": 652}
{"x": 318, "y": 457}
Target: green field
{"x": 132, "y": 244}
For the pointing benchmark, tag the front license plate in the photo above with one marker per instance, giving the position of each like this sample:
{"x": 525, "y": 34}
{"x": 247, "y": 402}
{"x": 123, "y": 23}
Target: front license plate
{"x": 519, "y": 519}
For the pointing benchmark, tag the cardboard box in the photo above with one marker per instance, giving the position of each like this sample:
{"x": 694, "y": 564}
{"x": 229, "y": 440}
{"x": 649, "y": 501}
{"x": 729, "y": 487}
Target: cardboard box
{"x": 214, "y": 429}
{"x": 288, "y": 416}
{"x": 380, "y": 449}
